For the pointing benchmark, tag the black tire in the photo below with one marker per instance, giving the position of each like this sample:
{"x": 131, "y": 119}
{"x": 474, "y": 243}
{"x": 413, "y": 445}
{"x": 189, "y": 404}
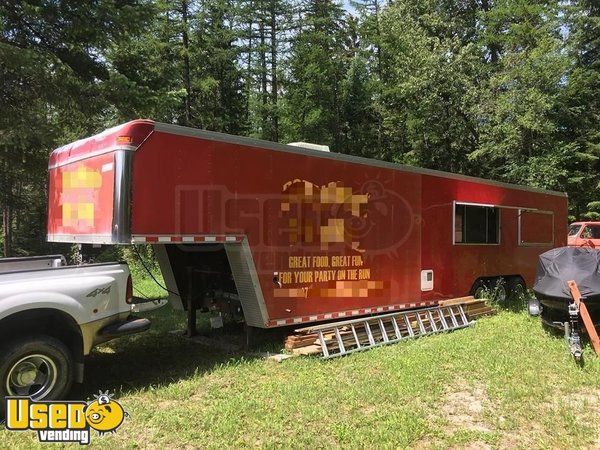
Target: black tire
{"x": 44, "y": 357}
{"x": 479, "y": 289}
{"x": 516, "y": 288}
{"x": 499, "y": 291}
{"x": 492, "y": 289}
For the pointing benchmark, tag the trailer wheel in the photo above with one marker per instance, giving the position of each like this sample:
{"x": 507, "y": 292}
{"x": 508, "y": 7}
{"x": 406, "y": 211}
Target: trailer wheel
{"x": 40, "y": 367}
{"x": 500, "y": 291}
{"x": 479, "y": 289}
{"x": 516, "y": 289}
{"x": 493, "y": 289}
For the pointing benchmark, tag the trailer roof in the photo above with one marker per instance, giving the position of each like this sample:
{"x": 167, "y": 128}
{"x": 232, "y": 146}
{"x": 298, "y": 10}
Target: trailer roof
{"x": 137, "y": 131}
{"x": 251, "y": 142}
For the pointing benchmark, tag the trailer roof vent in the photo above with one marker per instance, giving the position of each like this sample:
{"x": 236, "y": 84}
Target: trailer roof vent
{"x": 323, "y": 148}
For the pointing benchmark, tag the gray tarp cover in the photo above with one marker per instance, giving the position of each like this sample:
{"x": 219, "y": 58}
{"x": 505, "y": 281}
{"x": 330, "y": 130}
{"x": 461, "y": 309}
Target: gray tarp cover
{"x": 558, "y": 266}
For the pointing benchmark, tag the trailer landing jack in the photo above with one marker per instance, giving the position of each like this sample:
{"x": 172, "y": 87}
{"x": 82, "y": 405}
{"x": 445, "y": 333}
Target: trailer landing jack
{"x": 572, "y": 329}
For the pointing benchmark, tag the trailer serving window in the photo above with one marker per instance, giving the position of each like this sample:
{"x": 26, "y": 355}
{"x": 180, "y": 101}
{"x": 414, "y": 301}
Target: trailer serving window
{"x": 476, "y": 224}
{"x": 536, "y": 227}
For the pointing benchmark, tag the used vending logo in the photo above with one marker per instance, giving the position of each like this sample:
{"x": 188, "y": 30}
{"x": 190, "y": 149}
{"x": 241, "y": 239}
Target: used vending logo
{"x": 65, "y": 421}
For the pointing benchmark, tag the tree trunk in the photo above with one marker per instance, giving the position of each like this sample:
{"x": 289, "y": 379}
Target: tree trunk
{"x": 381, "y": 73}
{"x": 494, "y": 49}
{"x": 249, "y": 75}
{"x": 186, "y": 62}
{"x": 274, "y": 86}
{"x": 7, "y": 230}
{"x": 378, "y": 50}
{"x": 264, "y": 94}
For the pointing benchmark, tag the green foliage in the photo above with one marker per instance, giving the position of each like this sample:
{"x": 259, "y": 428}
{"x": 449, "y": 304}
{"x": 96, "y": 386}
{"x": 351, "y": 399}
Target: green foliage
{"x": 503, "y": 89}
{"x": 316, "y": 70}
{"x": 521, "y": 97}
{"x": 429, "y": 91}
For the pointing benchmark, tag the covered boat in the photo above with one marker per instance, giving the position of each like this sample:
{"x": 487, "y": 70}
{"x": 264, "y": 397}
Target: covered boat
{"x": 555, "y": 269}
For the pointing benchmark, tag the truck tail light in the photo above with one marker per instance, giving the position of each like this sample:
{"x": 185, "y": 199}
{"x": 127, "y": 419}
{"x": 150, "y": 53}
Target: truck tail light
{"x": 129, "y": 291}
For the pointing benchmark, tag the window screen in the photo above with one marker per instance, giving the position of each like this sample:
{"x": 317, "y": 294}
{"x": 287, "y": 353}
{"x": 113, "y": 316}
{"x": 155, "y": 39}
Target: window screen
{"x": 476, "y": 224}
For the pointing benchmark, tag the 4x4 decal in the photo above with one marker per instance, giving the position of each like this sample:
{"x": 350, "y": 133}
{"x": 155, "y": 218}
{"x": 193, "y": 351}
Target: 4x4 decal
{"x": 95, "y": 292}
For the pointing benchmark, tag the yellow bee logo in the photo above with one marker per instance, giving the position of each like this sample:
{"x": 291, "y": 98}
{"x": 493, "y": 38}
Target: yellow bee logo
{"x": 104, "y": 414}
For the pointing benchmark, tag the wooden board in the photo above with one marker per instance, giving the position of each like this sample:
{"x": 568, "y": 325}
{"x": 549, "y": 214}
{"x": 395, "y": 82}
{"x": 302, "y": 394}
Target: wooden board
{"x": 305, "y": 341}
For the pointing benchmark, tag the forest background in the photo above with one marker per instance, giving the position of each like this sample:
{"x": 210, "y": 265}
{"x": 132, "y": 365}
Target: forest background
{"x": 503, "y": 89}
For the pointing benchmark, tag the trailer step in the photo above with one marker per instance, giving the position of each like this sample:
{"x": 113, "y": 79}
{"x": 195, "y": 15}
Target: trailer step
{"x": 349, "y": 336}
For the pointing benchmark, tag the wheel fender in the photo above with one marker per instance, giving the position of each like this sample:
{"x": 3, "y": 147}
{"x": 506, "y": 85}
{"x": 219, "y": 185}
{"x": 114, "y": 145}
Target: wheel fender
{"x": 43, "y": 300}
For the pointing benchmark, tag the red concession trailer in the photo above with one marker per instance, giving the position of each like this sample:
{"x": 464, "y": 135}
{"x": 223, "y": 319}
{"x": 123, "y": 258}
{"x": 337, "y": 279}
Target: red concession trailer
{"x": 287, "y": 234}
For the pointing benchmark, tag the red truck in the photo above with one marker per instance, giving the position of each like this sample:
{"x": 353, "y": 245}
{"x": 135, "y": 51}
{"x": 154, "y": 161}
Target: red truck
{"x": 584, "y": 234}
{"x": 286, "y": 235}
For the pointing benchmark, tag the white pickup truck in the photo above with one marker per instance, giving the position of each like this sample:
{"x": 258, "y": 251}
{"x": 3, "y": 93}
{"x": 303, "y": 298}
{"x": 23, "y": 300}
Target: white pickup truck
{"x": 51, "y": 315}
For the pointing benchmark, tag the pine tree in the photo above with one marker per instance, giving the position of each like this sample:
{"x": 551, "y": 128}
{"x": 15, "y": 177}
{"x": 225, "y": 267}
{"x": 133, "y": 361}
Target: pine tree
{"x": 52, "y": 62}
{"x": 316, "y": 68}
{"x": 368, "y": 72}
{"x": 268, "y": 23}
{"x": 580, "y": 109}
{"x": 218, "y": 81}
{"x": 429, "y": 92}
{"x": 520, "y": 98}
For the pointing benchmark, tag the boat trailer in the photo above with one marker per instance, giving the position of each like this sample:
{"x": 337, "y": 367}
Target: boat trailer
{"x": 577, "y": 310}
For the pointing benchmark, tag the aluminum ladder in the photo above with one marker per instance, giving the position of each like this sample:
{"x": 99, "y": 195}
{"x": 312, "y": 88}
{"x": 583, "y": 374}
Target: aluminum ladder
{"x": 342, "y": 338}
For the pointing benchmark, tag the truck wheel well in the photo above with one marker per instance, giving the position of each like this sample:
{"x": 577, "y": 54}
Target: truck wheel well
{"x": 47, "y": 321}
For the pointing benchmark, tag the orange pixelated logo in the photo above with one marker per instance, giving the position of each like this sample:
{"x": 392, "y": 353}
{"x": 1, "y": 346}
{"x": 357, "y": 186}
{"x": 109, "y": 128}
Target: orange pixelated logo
{"x": 335, "y": 289}
{"x": 78, "y": 196}
{"x": 326, "y": 217}
{"x": 318, "y": 214}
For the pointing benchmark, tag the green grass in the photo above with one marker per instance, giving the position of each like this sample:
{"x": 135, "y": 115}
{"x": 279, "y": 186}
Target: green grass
{"x": 504, "y": 382}
{"x": 143, "y": 285}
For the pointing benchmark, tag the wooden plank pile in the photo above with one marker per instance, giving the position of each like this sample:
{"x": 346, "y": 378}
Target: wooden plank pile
{"x": 303, "y": 344}
{"x": 473, "y": 307}
{"x": 305, "y": 341}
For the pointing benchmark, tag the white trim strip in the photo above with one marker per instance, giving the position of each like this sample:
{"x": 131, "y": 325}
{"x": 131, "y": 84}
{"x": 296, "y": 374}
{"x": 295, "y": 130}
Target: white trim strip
{"x": 161, "y": 239}
{"x": 354, "y": 312}
{"x": 81, "y": 238}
